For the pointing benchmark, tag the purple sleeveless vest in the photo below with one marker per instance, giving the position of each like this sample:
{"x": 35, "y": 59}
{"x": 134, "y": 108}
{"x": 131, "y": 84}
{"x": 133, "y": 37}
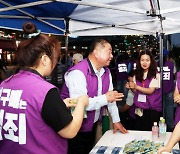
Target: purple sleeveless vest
{"x": 153, "y": 100}
{"x": 92, "y": 88}
{"x": 121, "y": 71}
{"x": 131, "y": 111}
{"x": 177, "y": 114}
{"x": 23, "y": 129}
{"x": 133, "y": 65}
{"x": 168, "y": 79}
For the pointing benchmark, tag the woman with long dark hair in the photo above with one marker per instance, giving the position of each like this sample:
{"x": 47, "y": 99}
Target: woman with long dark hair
{"x": 146, "y": 86}
{"x": 33, "y": 117}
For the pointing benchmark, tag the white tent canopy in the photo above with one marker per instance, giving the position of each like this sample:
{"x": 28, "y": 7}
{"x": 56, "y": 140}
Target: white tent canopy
{"x": 97, "y": 17}
{"x": 124, "y": 17}
{"x": 94, "y": 17}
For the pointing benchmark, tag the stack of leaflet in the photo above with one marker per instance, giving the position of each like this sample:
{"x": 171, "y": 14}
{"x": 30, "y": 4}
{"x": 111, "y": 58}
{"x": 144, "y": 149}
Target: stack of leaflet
{"x": 142, "y": 147}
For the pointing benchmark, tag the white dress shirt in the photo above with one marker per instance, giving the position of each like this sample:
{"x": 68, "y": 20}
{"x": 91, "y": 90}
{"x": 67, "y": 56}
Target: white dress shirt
{"x": 76, "y": 83}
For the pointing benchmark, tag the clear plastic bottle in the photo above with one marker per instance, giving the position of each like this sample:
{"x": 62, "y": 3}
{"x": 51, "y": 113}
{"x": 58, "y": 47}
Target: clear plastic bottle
{"x": 155, "y": 132}
{"x": 162, "y": 128}
{"x": 160, "y": 125}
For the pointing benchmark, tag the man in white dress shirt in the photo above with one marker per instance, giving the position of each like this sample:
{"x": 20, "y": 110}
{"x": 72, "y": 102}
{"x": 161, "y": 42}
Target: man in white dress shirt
{"x": 92, "y": 77}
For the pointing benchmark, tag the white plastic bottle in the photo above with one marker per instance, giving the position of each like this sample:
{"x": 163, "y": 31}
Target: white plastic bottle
{"x": 155, "y": 132}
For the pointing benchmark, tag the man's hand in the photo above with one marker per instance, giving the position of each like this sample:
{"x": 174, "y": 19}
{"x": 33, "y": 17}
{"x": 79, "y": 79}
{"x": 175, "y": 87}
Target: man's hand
{"x": 119, "y": 126}
{"x": 114, "y": 96}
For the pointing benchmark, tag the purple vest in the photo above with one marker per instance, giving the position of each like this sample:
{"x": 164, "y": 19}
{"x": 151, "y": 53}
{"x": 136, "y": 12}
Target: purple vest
{"x": 177, "y": 115}
{"x": 153, "y": 101}
{"x": 21, "y": 100}
{"x": 168, "y": 79}
{"x": 133, "y": 65}
{"x": 92, "y": 88}
{"x": 131, "y": 111}
{"x": 121, "y": 71}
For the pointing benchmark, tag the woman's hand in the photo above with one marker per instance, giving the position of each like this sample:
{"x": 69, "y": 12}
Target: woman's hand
{"x": 177, "y": 99}
{"x": 83, "y": 100}
{"x": 127, "y": 85}
{"x": 164, "y": 149}
{"x": 132, "y": 85}
{"x": 70, "y": 102}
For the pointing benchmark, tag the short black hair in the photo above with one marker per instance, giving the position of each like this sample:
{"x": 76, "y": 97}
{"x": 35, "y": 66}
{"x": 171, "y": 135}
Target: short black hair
{"x": 97, "y": 41}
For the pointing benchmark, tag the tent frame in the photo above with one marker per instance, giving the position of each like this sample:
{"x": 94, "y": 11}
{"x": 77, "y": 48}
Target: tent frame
{"x": 153, "y": 12}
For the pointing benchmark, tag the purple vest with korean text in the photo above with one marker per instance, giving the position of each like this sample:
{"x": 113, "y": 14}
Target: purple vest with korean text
{"x": 153, "y": 101}
{"x": 177, "y": 114}
{"x": 121, "y": 71}
{"x": 133, "y": 65}
{"x": 168, "y": 79}
{"x": 92, "y": 88}
{"x": 23, "y": 129}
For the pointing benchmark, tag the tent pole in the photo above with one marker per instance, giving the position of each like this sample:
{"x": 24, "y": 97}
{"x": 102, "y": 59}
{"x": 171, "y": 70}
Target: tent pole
{"x": 66, "y": 43}
{"x": 66, "y": 51}
{"x": 161, "y": 45}
{"x": 161, "y": 64}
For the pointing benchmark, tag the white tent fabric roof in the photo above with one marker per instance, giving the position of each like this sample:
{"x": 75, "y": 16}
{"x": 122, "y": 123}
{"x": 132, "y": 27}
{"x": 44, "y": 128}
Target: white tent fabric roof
{"x": 92, "y": 17}
{"x": 123, "y": 17}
